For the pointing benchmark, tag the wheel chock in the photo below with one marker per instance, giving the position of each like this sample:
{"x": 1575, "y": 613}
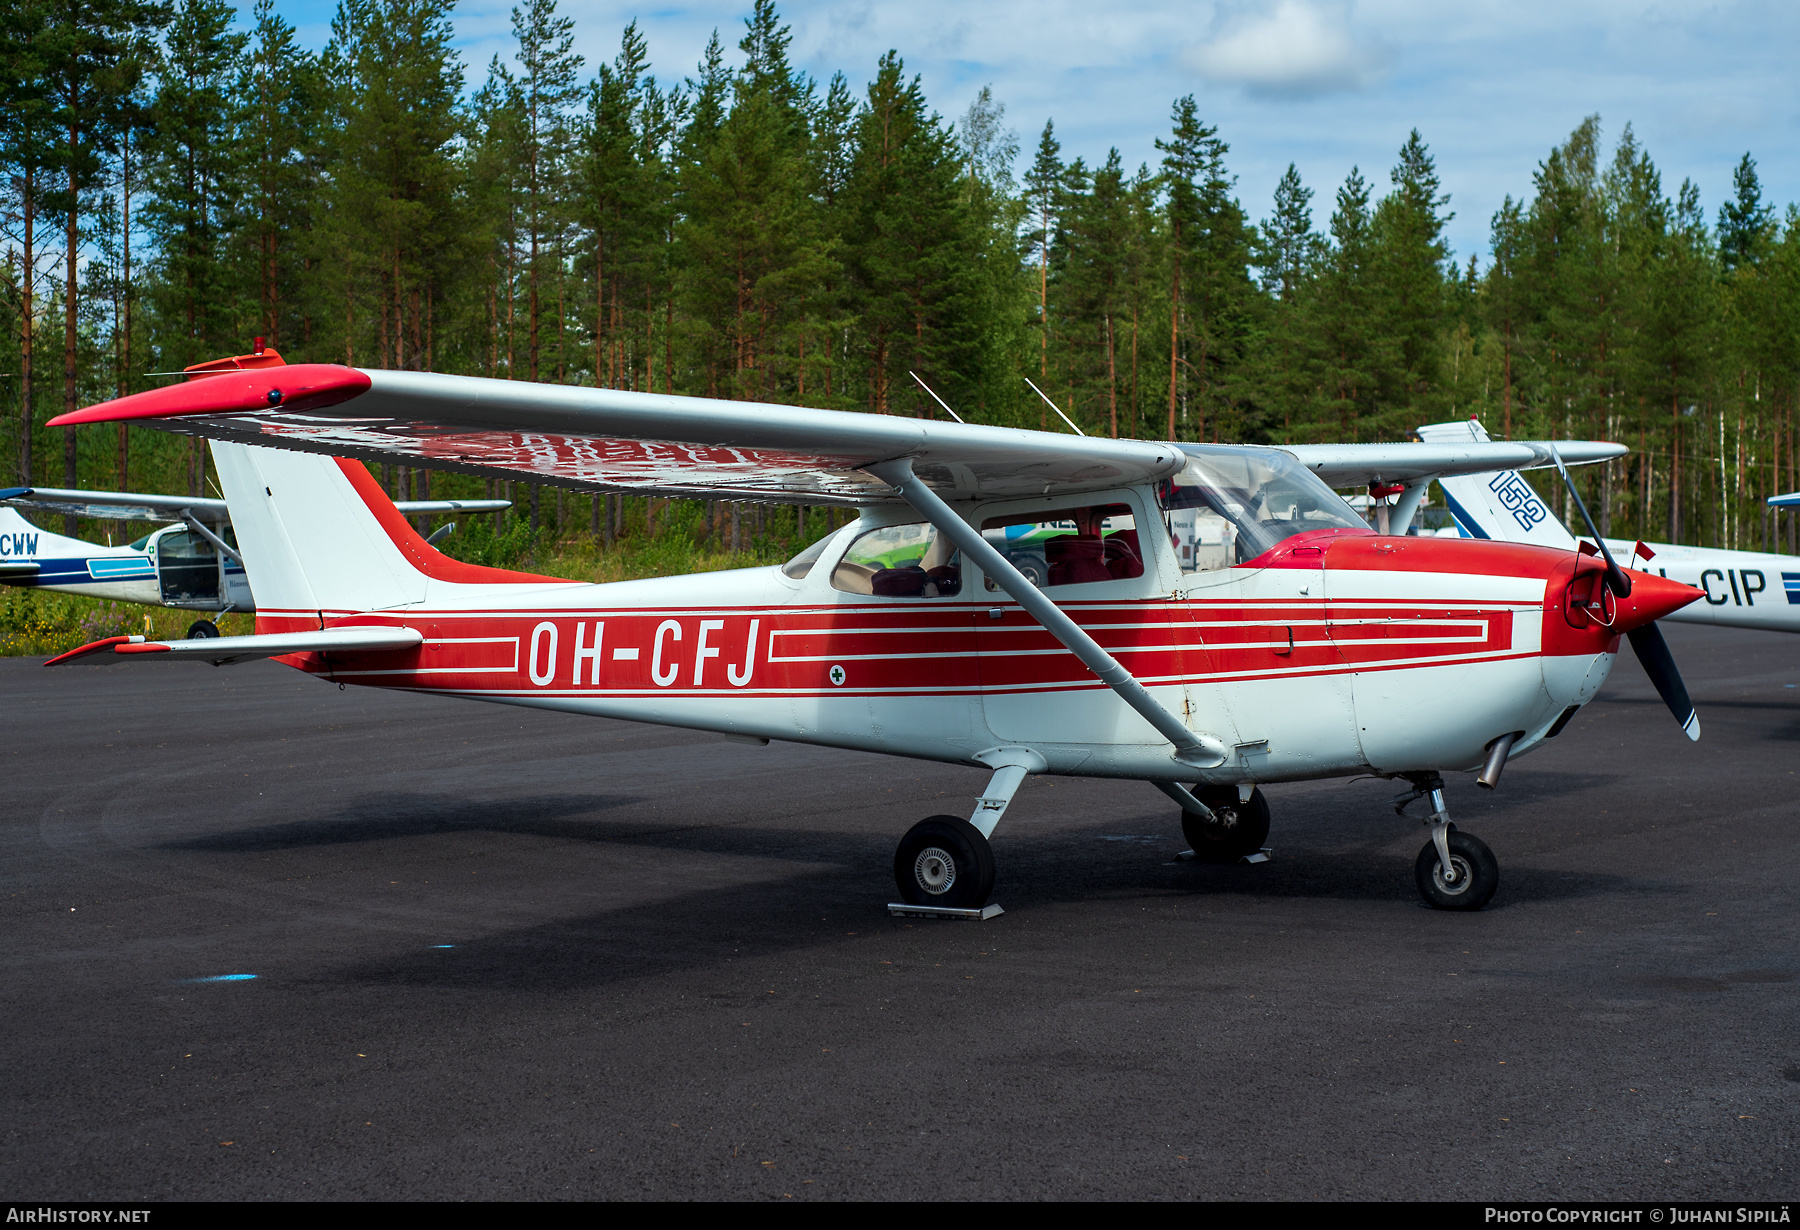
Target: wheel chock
{"x": 899, "y": 909}
{"x": 1261, "y": 856}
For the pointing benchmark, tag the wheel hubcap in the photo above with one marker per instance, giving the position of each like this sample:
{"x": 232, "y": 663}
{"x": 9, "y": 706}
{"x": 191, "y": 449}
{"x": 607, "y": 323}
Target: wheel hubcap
{"x": 1222, "y": 825}
{"x": 935, "y": 870}
{"x": 1460, "y": 884}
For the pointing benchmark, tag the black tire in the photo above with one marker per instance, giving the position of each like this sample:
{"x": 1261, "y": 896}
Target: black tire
{"x": 202, "y": 629}
{"x": 944, "y": 860}
{"x": 1478, "y": 874}
{"x": 1237, "y": 828}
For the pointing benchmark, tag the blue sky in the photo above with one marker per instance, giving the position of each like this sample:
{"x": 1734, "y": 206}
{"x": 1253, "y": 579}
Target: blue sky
{"x": 1325, "y": 84}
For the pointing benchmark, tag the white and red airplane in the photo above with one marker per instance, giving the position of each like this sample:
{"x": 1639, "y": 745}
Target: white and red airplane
{"x": 1299, "y": 645}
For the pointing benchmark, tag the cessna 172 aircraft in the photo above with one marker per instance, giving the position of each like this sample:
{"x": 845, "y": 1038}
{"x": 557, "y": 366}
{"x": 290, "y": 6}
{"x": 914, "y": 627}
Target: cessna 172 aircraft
{"x": 187, "y": 565}
{"x": 1301, "y": 645}
{"x": 1741, "y": 589}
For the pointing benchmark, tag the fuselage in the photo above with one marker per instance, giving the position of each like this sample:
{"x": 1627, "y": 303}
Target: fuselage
{"x": 1335, "y": 652}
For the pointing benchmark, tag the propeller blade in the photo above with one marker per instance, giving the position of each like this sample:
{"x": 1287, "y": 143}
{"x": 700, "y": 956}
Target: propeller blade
{"x": 1647, "y": 642}
{"x": 1616, "y": 580}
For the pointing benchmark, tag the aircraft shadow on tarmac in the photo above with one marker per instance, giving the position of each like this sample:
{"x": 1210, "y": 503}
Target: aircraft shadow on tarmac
{"x": 821, "y": 906}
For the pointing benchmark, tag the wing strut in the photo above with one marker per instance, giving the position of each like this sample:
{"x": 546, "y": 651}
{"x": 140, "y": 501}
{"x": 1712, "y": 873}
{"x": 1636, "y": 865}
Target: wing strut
{"x": 899, "y": 472}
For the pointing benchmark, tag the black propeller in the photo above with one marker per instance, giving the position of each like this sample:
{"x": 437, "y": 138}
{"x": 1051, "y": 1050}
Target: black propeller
{"x": 1647, "y": 642}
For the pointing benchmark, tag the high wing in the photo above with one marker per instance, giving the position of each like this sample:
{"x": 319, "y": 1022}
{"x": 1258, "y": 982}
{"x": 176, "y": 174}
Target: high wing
{"x": 138, "y": 506}
{"x": 1359, "y": 465}
{"x": 609, "y": 439}
{"x": 224, "y": 650}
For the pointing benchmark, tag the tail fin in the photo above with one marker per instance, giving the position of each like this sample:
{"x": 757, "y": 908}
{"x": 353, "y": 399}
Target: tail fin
{"x": 21, "y": 541}
{"x": 320, "y": 537}
{"x": 1500, "y": 504}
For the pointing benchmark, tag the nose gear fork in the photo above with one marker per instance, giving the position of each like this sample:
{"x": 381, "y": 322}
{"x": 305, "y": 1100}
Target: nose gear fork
{"x": 1431, "y": 785}
{"x": 1454, "y": 871}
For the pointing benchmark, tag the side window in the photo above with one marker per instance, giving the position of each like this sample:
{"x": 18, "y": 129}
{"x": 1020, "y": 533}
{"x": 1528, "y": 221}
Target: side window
{"x": 1069, "y": 546}
{"x": 1203, "y": 540}
{"x": 900, "y": 561}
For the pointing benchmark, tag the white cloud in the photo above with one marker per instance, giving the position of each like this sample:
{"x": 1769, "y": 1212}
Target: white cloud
{"x": 1291, "y": 49}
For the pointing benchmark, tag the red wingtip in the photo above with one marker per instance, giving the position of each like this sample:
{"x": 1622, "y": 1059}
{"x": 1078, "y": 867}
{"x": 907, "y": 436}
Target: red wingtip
{"x": 92, "y": 647}
{"x": 231, "y": 390}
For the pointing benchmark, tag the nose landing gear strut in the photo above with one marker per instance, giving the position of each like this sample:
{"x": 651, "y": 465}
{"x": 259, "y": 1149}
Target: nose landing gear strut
{"x": 1454, "y": 871}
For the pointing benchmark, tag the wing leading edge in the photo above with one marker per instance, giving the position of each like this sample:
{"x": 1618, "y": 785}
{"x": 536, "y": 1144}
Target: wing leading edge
{"x": 1359, "y": 465}
{"x": 610, "y": 439}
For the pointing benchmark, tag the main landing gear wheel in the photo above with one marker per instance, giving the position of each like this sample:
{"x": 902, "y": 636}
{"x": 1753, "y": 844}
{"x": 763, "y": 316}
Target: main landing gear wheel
{"x": 1477, "y": 873}
{"x": 202, "y": 629}
{"x": 1235, "y": 830}
{"x": 944, "y": 860}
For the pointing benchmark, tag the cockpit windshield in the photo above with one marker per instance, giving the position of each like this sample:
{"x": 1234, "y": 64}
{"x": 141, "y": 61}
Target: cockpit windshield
{"x": 1232, "y": 504}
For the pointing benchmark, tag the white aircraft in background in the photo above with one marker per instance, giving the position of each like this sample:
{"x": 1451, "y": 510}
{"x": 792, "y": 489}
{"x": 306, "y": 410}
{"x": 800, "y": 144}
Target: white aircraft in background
{"x": 185, "y": 565}
{"x": 1743, "y": 589}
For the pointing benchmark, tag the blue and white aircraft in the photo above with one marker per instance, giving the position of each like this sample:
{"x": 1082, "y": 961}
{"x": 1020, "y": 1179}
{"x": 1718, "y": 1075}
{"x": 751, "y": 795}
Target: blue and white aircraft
{"x": 1744, "y": 589}
{"x": 186, "y": 565}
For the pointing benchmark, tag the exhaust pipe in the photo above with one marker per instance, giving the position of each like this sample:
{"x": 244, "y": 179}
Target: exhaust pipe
{"x": 1497, "y": 752}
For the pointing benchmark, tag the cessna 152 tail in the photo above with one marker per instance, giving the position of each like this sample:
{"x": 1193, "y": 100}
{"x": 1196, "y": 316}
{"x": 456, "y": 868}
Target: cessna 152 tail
{"x": 192, "y": 565}
{"x": 1306, "y": 646}
{"x": 1741, "y": 589}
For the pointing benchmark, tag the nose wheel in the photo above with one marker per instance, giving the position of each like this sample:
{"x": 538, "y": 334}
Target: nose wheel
{"x": 1454, "y": 871}
{"x": 1471, "y": 878}
{"x": 944, "y": 861}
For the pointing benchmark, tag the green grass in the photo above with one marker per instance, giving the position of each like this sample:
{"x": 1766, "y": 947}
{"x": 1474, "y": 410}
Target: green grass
{"x": 38, "y": 622}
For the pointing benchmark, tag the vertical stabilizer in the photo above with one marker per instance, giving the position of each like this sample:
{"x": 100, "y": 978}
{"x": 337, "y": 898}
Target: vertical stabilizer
{"x": 1499, "y": 504}
{"x": 320, "y": 536}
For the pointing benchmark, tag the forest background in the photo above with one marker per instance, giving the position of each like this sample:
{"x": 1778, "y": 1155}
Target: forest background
{"x": 174, "y": 186}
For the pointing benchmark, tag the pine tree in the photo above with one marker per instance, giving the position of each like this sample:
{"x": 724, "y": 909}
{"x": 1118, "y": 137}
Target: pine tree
{"x": 396, "y": 227}
{"x": 26, "y": 142}
{"x": 87, "y": 53}
{"x": 1209, "y": 269}
{"x": 1410, "y": 261}
{"x": 1043, "y": 196}
{"x": 1288, "y": 255}
{"x": 906, "y": 246}
{"x": 281, "y": 99}
{"x": 193, "y": 180}
{"x": 1349, "y": 350}
{"x": 1504, "y": 294}
{"x": 547, "y": 88}
{"x": 1746, "y": 225}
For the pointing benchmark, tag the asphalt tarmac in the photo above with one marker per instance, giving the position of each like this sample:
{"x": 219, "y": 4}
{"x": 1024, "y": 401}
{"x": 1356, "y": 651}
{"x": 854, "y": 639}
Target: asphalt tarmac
{"x": 504, "y": 954}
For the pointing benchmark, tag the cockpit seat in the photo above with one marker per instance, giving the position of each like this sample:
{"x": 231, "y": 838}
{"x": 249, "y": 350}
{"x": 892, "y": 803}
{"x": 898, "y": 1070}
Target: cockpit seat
{"x": 1123, "y": 559}
{"x": 1076, "y": 558}
{"x": 907, "y": 582}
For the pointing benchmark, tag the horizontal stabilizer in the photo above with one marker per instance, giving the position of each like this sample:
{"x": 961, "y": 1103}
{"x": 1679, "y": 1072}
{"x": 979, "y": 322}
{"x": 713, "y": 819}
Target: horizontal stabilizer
{"x": 224, "y": 650}
{"x": 142, "y": 506}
